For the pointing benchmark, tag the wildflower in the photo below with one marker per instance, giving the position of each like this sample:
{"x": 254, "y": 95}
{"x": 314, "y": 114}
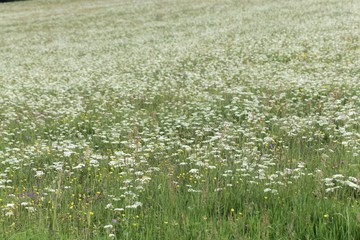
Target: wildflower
{"x": 10, "y": 205}
{"x": 274, "y": 191}
{"x": 351, "y": 184}
{"x": 30, "y": 209}
{"x": 9, "y": 214}
{"x": 68, "y": 153}
{"x": 194, "y": 170}
{"x": 135, "y": 205}
{"x": 39, "y": 173}
{"x": 193, "y": 190}
{"x": 353, "y": 179}
{"x": 267, "y": 189}
{"x": 331, "y": 189}
{"x": 337, "y": 176}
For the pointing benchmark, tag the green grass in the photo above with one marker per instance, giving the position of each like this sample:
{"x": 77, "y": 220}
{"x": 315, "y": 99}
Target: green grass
{"x": 179, "y": 119}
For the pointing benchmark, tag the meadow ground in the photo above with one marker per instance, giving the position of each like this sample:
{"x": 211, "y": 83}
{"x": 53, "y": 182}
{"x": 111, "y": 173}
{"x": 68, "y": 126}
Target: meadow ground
{"x": 188, "y": 119}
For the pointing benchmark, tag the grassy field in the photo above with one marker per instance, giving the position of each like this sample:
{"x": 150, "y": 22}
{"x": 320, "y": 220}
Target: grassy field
{"x": 186, "y": 119}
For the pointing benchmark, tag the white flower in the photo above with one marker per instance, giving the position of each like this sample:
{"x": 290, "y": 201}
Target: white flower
{"x": 193, "y": 190}
{"x": 352, "y": 179}
{"x": 331, "y": 189}
{"x": 10, "y": 205}
{"x": 274, "y": 191}
{"x": 351, "y": 184}
{"x": 80, "y": 165}
{"x": 30, "y": 209}
{"x": 267, "y": 189}
{"x": 94, "y": 163}
{"x": 194, "y": 170}
{"x": 39, "y": 173}
{"x": 337, "y": 176}
{"x": 108, "y": 226}
{"x": 268, "y": 140}
{"x": 68, "y": 153}
{"x": 135, "y": 205}
{"x": 9, "y": 214}
{"x": 301, "y": 165}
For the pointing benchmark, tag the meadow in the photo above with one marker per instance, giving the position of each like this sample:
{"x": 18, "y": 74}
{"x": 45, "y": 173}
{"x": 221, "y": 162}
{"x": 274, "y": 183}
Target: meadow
{"x": 180, "y": 119}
